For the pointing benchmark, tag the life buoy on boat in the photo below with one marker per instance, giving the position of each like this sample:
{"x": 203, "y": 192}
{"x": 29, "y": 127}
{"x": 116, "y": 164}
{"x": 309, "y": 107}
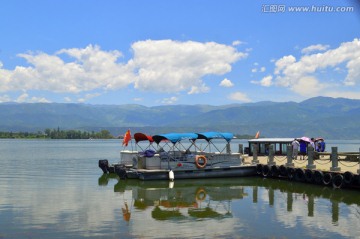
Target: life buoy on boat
{"x": 200, "y": 161}
{"x": 200, "y": 194}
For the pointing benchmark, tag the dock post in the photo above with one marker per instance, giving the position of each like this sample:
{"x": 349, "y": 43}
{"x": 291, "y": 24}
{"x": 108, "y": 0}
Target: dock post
{"x": 241, "y": 149}
{"x": 289, "y": 156}
{"x": 271, "y": 155}
{"x": 334, "y": 159}
{"x": 310, "y": 164}
{"x": 228, "y": 148}
{"x": 255, "y": 151}
{"x": 358, "y": 171}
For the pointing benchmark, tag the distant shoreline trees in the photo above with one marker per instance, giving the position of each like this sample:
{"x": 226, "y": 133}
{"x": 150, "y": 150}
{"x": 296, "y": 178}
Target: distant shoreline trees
{"x": 57, "y": 134}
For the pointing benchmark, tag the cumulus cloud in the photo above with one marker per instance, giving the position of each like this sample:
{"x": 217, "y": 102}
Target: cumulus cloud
{"x": 266, "y": 81}
{"x": 159, "y": 66}
{"x": 239, "y": 96}
{"x": 312, "y": 48}
{"x": 301, "y": 75}
{"x": 226, "y": 83}
{"x": 90, "y": 69}
{"x": 172, "y": 66}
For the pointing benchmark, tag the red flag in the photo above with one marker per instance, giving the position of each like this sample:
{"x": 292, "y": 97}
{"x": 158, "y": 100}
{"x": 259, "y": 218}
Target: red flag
{"x": 257, "y": 135}
{"x": 127, "y": 138}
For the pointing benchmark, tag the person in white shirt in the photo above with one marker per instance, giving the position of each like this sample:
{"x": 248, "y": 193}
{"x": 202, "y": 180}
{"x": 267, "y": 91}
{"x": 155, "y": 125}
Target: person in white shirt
{"x": 295, "y": 145}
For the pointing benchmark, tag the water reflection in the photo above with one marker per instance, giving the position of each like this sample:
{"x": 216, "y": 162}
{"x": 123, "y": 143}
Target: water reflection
{"x": 236, "y": 204}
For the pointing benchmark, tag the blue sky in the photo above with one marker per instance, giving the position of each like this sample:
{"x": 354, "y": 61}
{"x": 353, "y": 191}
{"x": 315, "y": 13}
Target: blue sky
{"x": 156, "y": 52}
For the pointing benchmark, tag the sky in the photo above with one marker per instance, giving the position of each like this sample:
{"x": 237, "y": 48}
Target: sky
{"x": 160, "y": 52}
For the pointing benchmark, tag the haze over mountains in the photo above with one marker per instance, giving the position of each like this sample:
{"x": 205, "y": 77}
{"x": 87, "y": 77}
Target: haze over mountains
{"x": 331, "y": 118}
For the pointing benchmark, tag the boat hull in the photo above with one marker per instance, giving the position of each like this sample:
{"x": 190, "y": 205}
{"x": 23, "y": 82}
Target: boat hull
{"x": 235, "y": 171}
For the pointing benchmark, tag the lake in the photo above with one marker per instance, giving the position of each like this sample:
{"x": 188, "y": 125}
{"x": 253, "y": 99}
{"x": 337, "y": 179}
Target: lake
{"x": 54, "y": 189}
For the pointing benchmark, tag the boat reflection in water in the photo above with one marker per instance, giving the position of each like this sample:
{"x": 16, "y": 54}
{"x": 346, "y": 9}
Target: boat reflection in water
{"x": 250, "y": 207}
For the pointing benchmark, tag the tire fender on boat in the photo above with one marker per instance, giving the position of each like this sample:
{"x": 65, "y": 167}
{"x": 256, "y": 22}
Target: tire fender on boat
{"x": 337, "y": 181}
{"x": 348, "y": 177}
{"x": 290, "y": 172}
{"x": 265, "y": 170}
{"x": 299, "y": 175}
{"x": 309, "y": 175}
{"x": 199, "y": 158}
{"x": 327, "y": 178}
{"x": 318, "y": 177}
{"x": 275, "y": 171}
{"x": 283, "y": 170}
{"x": 259, "y": 169}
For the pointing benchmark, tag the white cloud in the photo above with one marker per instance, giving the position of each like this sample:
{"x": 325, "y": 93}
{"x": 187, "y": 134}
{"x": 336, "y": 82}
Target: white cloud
{"x": 91, "y": 68}
{"x": 239, "y": 96}
{"x": 24, "y": 97}
{"x": 236, "y": 43}
{"x": 158, "y": 66}
{"x": 172, "y": 66}
{"x": 262, "y": 69}
{"x": 266, "y": 81}
{"x": 313, "y": 48}
{"x": 198, "y": 89}
{"x": 170, "y": 100}
{"x": 301, "y": 75}
{"x": 253, "y": 70}
{"x": 226, "y": 83}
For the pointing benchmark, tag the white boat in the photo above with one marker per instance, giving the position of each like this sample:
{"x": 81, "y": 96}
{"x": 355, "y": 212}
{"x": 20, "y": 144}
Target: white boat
{"x": 182, "y": 156}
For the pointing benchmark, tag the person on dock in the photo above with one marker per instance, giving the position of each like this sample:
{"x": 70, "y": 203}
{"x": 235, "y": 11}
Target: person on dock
{"x": 295, "y": 147}
{"x": 303, "y": 148}
{"x": 322, "y": 145}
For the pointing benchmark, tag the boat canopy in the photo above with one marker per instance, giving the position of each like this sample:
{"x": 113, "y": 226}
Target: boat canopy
{"x": 142, "y": 137}
{"x": 208, "y": 136}
{"x": 215, "y": 135}
{"x": 174, "y": 137}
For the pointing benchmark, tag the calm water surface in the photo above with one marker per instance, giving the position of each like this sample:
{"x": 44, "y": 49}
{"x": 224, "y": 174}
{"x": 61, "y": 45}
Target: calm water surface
{"x": 54, "y": 189}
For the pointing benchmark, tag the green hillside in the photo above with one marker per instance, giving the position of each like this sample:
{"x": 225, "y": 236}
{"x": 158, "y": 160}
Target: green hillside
{"x": 332, "y": 118}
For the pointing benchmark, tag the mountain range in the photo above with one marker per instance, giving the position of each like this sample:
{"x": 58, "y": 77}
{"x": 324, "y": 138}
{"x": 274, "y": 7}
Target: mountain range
{"x": 331, "y": 118}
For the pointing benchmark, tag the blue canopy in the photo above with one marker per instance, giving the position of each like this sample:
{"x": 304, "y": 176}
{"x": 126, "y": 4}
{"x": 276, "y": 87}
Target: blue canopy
{"x": 174, "y": 137}
{"x": 208, "y": 136}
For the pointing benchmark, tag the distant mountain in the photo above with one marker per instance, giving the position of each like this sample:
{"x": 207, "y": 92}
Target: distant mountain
{"x": 332, "y": 118}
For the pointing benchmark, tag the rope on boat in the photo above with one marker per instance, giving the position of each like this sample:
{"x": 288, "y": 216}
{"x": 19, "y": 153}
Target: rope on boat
{"x": 325, "y": 160}
{"x": 340, "y": 162}
{"x": 280, "y": 158}
{"x": 300, "y": 161}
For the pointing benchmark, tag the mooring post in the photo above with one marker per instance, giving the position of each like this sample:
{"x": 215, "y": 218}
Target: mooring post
{"x": 271, "y": 155}
{"x": 310, "y": 164}
{"x": 289, "y": 156}
{"x": 334, "y": 159}
{"x": 255, "y": 151}
{"x": 228, "y": 148}
{"x": 241, "y": 149}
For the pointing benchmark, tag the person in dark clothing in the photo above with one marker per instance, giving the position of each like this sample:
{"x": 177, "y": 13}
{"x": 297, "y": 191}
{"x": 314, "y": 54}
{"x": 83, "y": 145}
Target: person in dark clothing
{"x": 303, "y": 146}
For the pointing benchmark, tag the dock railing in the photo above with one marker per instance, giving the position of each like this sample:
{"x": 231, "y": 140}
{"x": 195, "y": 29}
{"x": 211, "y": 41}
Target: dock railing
{"x": 334, "y": 157}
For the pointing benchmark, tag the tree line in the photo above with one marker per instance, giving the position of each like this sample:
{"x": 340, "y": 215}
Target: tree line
{"x": 57, "y": 134}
